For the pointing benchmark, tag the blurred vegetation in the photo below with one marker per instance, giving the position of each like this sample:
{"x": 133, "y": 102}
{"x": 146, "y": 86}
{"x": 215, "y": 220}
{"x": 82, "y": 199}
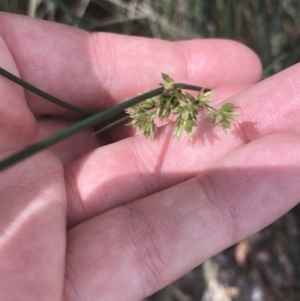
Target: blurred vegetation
{"x": 270, "y": 27}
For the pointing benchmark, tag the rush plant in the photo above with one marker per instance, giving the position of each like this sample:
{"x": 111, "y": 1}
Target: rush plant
{"x": 183, "y": 106}
{"x": 143, "y": 110}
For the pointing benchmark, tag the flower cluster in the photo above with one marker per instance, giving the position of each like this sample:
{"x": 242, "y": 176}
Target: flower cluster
{"x": 184, "y": 106}
{"x": 225, "y": 116}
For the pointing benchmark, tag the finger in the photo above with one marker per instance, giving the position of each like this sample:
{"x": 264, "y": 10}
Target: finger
{"x": 139, "y": 167}
{"x": 98, "y": 70}
{"x": 270, "y": 106}
{"x": 32, "y": 230}
{"x": 143, "y": 246}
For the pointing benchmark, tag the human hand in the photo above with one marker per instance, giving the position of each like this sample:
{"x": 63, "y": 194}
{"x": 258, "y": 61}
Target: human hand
{"x": 120, "y": 221}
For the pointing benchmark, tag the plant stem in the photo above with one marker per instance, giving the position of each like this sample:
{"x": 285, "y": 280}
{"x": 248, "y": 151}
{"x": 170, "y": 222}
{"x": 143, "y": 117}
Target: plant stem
{"x": 121, "y": 120}
{"x": 191, "y": 87}
{"x": 87, "y": 122}
{"x": 43, "y": 94}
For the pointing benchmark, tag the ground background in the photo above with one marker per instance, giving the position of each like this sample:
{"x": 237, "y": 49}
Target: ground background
{"x": 266, "y": 266}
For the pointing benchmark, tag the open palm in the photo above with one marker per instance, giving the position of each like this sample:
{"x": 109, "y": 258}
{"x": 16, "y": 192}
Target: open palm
{"x": 117, "y": 217}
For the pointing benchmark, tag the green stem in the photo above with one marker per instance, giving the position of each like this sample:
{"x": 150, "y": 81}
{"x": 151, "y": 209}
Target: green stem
{"x": 191, "y": 87}
{"x": 86, "y": 123}
{"x": 43, "y": 94}
{"x": 211, "y": 108}
{"x": 121, "y": 120}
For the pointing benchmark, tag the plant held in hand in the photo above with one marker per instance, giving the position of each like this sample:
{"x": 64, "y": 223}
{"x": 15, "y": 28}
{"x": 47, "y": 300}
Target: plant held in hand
{"x": 183, "y": 106}
{"x": 144, "y": 110}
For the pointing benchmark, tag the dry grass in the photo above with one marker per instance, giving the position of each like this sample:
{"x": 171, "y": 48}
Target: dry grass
{"x": 270, "y": 27}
